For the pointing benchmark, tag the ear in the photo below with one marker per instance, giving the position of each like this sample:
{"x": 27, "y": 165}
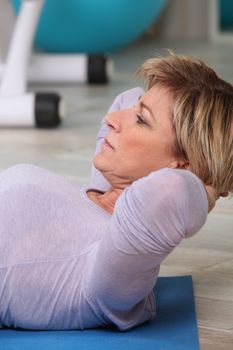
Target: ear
{"x": 179, "y": 164}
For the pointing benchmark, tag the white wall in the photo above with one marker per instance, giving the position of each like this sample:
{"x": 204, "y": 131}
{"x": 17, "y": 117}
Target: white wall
{"x": 7, "y": 20}
{"x": 184, "y": 19}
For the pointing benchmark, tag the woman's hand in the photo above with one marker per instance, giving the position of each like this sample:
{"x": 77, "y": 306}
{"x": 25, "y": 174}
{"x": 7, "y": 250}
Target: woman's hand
{"x": 213, "y": 196}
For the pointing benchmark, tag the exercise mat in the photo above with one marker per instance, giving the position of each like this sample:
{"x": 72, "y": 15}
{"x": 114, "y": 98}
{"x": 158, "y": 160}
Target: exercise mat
{"x": 175, "y": 327}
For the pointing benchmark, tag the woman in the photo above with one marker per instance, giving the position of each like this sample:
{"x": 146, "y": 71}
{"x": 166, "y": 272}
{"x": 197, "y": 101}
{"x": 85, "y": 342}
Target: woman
{"x": 74, "y": 257}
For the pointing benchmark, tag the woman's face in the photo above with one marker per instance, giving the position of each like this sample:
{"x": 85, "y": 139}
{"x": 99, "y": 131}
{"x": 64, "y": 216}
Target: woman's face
{"x": 140, "y": 139}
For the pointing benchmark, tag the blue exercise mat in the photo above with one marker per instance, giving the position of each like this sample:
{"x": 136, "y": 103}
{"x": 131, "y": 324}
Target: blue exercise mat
{"x": 175, "y": 327}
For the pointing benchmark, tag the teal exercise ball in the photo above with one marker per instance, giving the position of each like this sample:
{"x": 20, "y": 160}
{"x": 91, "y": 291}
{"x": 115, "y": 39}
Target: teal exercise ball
{"x": 226, "y": 14}
{"x": 92, "y": 26}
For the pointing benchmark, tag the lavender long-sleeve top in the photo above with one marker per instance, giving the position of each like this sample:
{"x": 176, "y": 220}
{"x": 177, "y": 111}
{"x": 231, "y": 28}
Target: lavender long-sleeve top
{"x": 65, "y": 263}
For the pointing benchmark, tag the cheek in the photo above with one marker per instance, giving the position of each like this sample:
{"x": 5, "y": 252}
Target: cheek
{"x": 138, "y": 144}
{"x": 133, "y": 142}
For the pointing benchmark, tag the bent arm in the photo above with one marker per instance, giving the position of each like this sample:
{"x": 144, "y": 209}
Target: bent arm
{"x": 125, "y": 100}
{"x": 151, "y": 217}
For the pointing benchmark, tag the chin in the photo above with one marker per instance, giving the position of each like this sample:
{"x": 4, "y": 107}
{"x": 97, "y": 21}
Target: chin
{"x": 98, "y": 162}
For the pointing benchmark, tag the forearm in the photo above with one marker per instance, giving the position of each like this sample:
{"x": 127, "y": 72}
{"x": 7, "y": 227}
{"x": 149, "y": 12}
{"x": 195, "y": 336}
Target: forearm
{"x": 150, "y": 219}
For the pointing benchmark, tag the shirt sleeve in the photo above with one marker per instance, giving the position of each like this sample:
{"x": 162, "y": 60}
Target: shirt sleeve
{"x": 150, "y": 219}
{"x": 125, "y": 100}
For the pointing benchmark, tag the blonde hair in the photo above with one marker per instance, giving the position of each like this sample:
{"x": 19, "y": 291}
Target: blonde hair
{"x": 202, "y": 115}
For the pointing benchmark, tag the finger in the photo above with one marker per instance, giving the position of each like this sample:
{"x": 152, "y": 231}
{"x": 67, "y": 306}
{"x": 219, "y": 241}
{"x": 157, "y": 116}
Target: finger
{"x": 224, "y": 194}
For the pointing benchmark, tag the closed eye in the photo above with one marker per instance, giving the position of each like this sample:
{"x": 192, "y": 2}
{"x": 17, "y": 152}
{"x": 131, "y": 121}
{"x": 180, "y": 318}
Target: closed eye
{"x": 141, "y": 119}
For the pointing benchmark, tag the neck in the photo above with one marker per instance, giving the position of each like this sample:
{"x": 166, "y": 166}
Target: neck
{"x": 106, "y": 200}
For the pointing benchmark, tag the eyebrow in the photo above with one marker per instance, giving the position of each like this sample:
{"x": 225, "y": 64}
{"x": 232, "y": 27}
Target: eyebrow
{"x": 143, "y": 105}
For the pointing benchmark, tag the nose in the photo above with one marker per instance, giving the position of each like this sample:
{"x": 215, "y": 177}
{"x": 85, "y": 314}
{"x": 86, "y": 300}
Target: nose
{"x": 113, "y": 121}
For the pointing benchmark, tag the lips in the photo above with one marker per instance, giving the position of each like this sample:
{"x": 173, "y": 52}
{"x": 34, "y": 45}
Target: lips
{"x": 107, "y": 143}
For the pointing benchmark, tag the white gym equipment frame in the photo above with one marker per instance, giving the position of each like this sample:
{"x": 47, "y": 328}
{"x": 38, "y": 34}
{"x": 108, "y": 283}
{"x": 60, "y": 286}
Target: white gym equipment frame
{"x": 19, "y": 108}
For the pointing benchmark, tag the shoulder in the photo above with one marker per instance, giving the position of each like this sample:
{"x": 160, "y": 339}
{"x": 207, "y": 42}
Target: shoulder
{"x": 172, "y": 196}
{"x": 28, "y": 176}
{"x": 24, "y": 172}
{"x": 170, "y": 188}
{"x": 18, "y": 173}
{"x": 173, "y": 178}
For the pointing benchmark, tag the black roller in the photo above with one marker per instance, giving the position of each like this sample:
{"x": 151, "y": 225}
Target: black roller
{"x": 97, "y": 69}
{"x": 47, "y": 110}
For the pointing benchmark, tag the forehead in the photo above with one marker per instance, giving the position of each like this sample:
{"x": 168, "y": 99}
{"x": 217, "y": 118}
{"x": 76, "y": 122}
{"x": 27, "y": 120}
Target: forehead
{"x": 158, "y": 94}
{"x": 159, "y": 101}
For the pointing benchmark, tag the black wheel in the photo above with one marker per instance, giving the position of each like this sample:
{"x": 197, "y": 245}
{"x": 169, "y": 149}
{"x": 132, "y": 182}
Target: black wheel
{"x": 98, "y": 69}
{"x": 47, "y": 112}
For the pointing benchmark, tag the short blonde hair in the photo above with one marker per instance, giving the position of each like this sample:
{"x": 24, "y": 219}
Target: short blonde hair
{"x": 202, "y": 115}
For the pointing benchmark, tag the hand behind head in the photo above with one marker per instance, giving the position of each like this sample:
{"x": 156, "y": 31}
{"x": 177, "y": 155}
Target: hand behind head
{"x": 213, "y": 196}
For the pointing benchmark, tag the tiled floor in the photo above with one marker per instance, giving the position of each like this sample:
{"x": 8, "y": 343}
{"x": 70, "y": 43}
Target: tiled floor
{"x": 68, "y": 150}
